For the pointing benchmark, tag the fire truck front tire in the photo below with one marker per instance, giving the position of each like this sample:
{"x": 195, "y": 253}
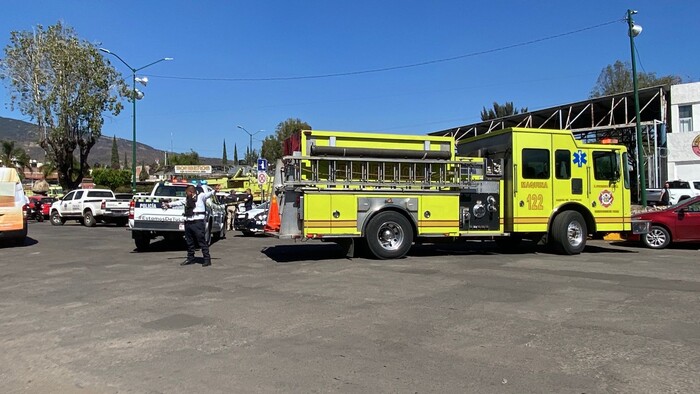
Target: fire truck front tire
{"x": 389, "y": 235}
{"x": 569, "y": 232}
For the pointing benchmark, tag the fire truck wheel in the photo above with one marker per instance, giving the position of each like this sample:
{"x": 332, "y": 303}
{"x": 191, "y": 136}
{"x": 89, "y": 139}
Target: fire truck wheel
{"x": 389, "y": 235}
{"x": 569, "y": 232}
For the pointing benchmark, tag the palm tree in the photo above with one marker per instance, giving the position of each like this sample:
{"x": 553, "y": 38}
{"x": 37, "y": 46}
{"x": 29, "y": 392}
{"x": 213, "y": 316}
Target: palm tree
{"x": 9, "y": 153}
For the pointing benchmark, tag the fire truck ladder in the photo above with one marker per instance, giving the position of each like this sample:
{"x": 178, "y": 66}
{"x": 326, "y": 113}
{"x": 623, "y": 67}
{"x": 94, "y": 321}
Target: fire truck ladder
{"x": 381, "y": 173}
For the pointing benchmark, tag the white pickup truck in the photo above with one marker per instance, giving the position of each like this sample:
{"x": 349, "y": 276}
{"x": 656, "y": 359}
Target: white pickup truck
{"x": 678, "y": 191}
{"x": 90, "y": 206}
{"x": 148, "y": 219}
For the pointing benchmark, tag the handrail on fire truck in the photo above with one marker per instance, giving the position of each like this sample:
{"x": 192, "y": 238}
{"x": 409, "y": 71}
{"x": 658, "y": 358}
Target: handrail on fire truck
{"x": 380, "y": 173}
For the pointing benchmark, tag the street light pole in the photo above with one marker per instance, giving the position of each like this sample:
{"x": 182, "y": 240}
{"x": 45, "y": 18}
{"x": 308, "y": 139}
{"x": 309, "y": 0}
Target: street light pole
{"x": 250, "y": 146}
{"x": 633, "y": 31}
{"x": 135, "y": 95}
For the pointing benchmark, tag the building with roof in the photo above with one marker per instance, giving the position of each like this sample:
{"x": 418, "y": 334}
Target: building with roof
{"x": 670, "y": 132}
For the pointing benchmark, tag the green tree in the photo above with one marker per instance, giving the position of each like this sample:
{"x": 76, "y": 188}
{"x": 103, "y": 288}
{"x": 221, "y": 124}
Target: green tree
{"x": 617, "y": 78}
{"x": 65, "y": 85}
{"x": 251, "y": 156}
{"x": 272, "y": 145}
{"x": 191, "y": 158}
{"x": 155, "y": 167}
{"x": 143, "y": 175}
{"x": 115, "y": 154}
{"x": 10, "y": 153}
{"x": 500, "y": 111}
{"x": 235, "y": 154}
{"x": 111, "y": 178}
{"x": 224, "y": 159}
{"x": 47, "y": 169}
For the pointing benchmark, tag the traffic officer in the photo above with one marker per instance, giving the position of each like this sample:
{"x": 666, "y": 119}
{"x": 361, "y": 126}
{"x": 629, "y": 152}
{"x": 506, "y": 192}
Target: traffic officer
{"x": 248, "y": 199}
{"x": 195, "y": 215}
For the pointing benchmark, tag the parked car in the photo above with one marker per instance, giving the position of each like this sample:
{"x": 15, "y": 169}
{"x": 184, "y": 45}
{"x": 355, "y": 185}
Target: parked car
{"x": 90, "y": 206}
{"x": 13, "y": 207}
{"x": 677, "y": 223}
{"x": 46, "y": 202}
{"x": 677, "y": 191}
{"x": 253, "y": 221}
{"x": 148, "y": 219}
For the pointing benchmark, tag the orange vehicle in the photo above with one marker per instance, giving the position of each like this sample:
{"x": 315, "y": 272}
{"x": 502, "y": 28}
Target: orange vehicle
{"x": 13, "y": 207}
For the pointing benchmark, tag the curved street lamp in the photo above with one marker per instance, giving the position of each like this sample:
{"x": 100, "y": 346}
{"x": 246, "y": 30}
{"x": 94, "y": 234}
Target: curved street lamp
{"x": 633, "y": 31}
{"x": 250, "y": 146}
{"x": 136, "y": 95}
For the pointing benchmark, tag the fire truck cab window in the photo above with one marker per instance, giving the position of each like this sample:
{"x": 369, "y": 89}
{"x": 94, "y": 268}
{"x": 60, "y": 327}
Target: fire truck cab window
{"x": 605, "y": 166}
{"x": 562, "y": 164}
{"x": 535, "y": 164}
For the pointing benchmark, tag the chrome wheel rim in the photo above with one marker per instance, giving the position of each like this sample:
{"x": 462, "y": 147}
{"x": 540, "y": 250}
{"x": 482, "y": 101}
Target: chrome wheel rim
{"x": 390, "y": 236}
{"x": 574, "y": 233}
{"x": 656, "y": 238}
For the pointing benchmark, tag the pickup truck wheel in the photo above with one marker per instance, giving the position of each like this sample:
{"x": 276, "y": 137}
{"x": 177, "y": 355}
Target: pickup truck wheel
{"x": 88, "y": 219}
{"x": 569, "y": 232}
{"x": 56, "y": 219}
{"x": 142, "y": 241}
{"x": 389, "y": 235}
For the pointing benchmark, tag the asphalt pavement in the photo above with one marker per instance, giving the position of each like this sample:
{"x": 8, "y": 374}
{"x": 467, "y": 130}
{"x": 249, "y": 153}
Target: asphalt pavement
{"x": 81, "y": 311}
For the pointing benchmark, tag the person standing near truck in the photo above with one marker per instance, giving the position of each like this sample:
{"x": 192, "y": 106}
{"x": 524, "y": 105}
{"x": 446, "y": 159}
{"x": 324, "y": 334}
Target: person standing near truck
{"x": 195, "y": 216}
{"x": 248, "y": 199}
{"x": 231, "y": 209}
{"x": 665, "y": 195}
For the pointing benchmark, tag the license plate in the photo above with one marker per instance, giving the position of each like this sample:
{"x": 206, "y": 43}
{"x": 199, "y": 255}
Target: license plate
{"x": 181, "y": 227}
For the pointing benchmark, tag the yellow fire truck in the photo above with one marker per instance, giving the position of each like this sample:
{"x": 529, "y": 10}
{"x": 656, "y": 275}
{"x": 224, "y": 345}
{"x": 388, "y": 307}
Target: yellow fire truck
{"x": 387, "y": 191}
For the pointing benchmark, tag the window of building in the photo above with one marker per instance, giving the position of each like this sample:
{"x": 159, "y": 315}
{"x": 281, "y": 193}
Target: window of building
{"x": 535, "y": 164}
{"x": 685, "y": 115}
{"x": 562, "y": 164}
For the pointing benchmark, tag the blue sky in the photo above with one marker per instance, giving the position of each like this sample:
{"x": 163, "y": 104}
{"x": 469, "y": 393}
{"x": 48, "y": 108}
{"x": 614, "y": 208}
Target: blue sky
{"x": 249, "y": 40}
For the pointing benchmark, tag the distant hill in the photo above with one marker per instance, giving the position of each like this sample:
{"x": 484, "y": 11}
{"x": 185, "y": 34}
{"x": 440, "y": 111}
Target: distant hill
{"x": 26, "y": 135}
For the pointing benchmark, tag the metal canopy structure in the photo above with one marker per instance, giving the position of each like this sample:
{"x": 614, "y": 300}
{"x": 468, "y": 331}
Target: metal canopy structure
{"x": 608, "y": 117}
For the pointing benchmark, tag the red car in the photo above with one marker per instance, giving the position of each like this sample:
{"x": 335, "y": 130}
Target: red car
{"x": 45, "y": 203}
{"x": 677, "y": 223}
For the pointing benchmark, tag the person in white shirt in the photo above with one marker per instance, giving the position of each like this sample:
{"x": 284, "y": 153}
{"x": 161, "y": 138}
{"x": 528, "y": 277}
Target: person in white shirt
{"x": 195, "y": 215}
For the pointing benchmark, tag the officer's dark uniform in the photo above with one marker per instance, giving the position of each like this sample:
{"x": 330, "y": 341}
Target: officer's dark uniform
{"x": 195, "y": 232}
{"x": 248, "y": 201}
{"x": 195, "y": 226}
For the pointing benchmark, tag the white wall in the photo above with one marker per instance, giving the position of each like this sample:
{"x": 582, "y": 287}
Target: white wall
{"x": 684, "y": 148}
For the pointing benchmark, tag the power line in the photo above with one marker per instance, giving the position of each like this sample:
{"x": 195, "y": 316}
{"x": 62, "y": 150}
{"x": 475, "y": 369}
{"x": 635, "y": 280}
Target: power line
{"x": 392, "y": 68}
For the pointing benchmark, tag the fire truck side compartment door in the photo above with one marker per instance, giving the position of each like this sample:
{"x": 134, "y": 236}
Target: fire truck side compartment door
{"x": 317, "y": 213}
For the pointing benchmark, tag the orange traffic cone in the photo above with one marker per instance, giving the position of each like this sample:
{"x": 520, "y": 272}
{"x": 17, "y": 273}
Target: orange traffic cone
{"x": 273, "y": 216}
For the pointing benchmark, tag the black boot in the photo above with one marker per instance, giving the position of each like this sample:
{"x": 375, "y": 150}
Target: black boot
{"x": 188, "y": 261}
{"x": 206, "y": 263}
